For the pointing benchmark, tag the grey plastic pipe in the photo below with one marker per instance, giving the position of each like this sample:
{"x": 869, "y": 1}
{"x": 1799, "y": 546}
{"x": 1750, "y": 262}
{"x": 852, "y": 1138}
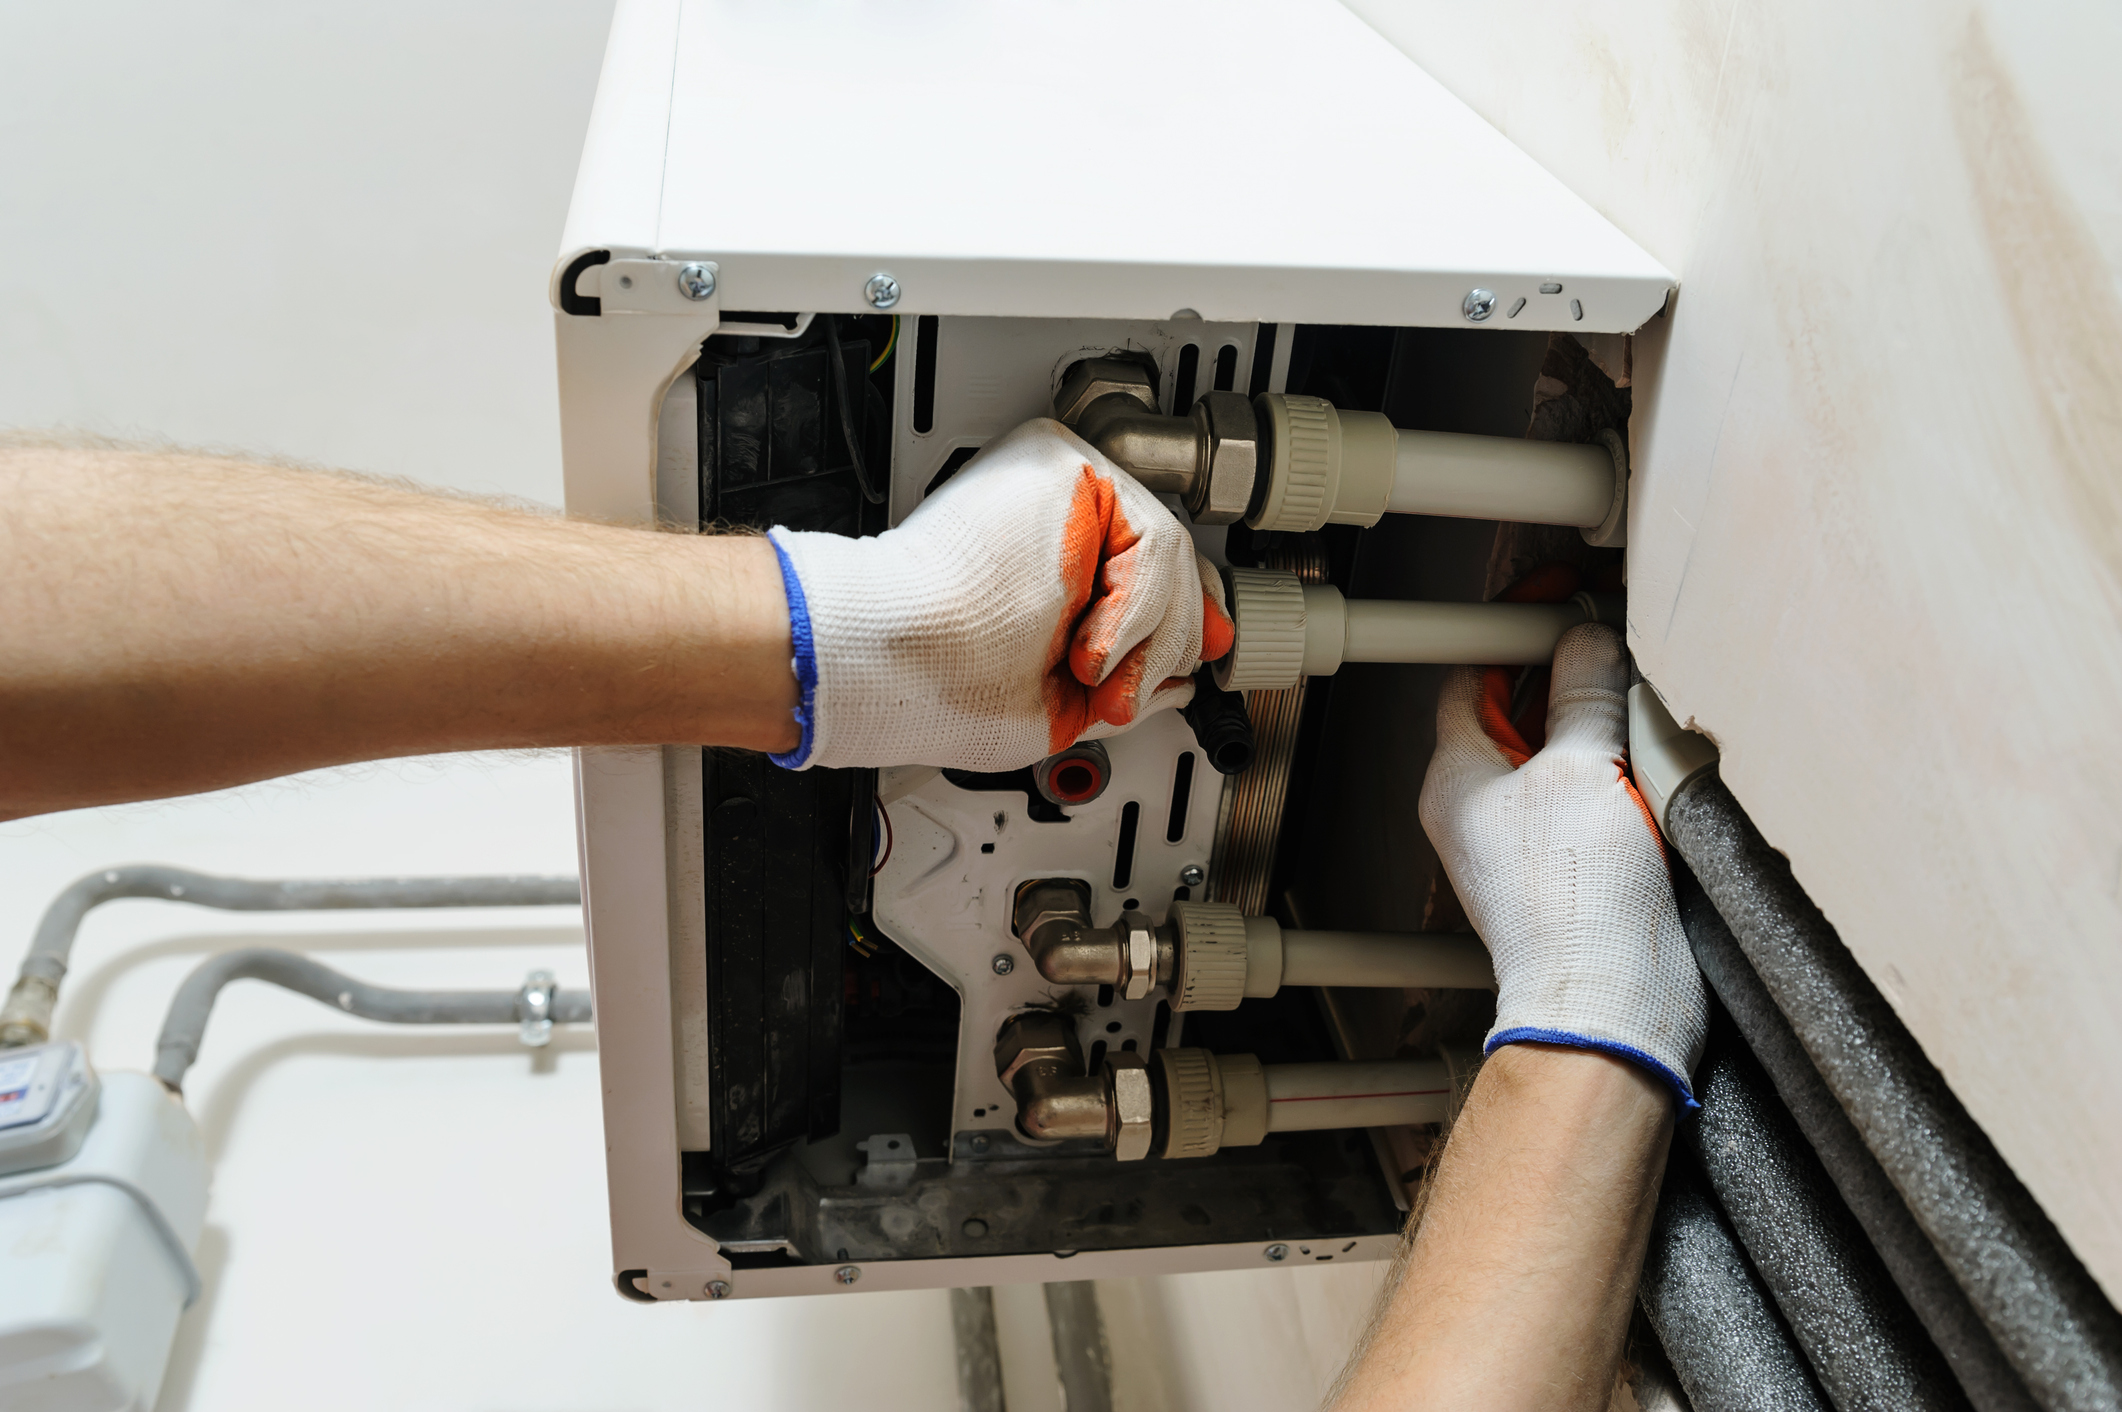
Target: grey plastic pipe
{"x": 1384, "y": 959}
{"x": 26, "y": 1018}
{"x": 1355, "y": 1094}
{"x": 185, "y": 1026}
{"x": 1501, "y": 478}
{"x": 2046, "y": 1311}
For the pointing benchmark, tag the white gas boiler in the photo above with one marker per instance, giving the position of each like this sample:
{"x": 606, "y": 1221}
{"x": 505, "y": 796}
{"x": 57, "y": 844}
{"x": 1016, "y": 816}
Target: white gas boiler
{"x": 1192, "y": 998}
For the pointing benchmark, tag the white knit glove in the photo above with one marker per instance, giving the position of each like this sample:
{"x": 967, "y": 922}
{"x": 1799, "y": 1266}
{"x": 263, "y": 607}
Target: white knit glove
{"x": 1560, "y": 868}
{"x": 1040, "y": 597}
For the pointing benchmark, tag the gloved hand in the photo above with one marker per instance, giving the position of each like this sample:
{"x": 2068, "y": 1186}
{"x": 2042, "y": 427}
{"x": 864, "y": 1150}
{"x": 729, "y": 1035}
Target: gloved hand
{"x": 1040, "y": 597}
{"x": 1560, "y": 868}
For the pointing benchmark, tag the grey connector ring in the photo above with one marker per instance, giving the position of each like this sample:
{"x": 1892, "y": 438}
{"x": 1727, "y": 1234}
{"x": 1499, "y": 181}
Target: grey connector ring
{"x": 1267, "y": 608}
{"x": 1612, "y": 532}
{"x": 1076, "y": 776}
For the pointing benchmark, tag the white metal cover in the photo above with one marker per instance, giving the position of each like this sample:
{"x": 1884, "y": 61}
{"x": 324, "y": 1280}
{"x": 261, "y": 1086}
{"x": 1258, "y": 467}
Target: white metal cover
{"x": 1080, "y": 158}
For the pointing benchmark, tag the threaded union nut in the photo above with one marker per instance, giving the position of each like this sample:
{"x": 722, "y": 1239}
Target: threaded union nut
{"x": 1210, "y": 950}
{"x": 1267, "y": 614}
{"x": 1194, "y": 1100}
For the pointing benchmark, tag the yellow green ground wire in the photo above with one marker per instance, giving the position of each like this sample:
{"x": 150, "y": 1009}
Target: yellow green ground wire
{"x": 861, "y": 944}
{"x": 889, "y": 344}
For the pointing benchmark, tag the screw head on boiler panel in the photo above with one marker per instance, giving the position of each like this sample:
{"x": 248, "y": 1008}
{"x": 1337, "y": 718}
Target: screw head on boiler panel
{"x": 1193, "y": 875}
{"x": 1003, "y": 963}
{"x": 1277, "y": 1251}
{"x": 696, "y": 281}
{"x": 1478, "y": 304}
{"x": 882, "y": 291}
{"x": 848, "y": 1274}
{"x": 718, "y": 1289}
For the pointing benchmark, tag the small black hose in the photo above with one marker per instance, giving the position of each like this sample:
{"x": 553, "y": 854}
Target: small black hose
{"x": 1221, "y": 724}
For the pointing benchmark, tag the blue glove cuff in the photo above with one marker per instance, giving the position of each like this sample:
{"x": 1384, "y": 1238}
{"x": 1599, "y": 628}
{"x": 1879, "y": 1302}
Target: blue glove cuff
{"x": 1527, "y": 1034}
{"x": 805, "y": 661}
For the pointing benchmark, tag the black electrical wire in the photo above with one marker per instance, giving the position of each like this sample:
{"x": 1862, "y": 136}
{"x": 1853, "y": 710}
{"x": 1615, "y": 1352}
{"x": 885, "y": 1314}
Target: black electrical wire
{"x": 847, "y": 415}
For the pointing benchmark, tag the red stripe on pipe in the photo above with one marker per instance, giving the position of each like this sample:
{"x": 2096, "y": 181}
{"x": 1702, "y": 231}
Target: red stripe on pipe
{"x": 1347, "y": 1097}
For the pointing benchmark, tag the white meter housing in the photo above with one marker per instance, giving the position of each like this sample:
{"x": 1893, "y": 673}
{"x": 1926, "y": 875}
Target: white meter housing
{"x": 96, "y": 1253}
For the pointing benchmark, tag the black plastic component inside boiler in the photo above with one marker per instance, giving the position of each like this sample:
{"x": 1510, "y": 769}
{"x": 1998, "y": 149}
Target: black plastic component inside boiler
{"x": 786, "y": 854}
{"x": 1220, "y": 724}
{"x": 772, "y": 448}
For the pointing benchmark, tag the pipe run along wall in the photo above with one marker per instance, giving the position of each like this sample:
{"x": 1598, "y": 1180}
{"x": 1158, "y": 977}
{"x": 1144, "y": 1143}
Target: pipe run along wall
{"x": 2048, "y": 1315}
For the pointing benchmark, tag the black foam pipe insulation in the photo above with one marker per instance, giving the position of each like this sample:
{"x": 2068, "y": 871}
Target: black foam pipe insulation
{"x": 1864, "y": 1343}
{"x": 2044, "y": 1308}
{"x": 1929, "y": 1287}
{"x": 1728, "y": 1347}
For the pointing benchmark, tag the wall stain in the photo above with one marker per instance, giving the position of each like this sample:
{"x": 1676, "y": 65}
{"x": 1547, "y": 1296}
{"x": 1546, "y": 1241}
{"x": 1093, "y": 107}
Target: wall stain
{"x": 2060, "y": 298}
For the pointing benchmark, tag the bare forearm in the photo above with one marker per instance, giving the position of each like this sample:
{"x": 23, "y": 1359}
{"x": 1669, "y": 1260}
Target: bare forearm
{"x": 174, "y": 623}
{"x": 1516, "y": 1293}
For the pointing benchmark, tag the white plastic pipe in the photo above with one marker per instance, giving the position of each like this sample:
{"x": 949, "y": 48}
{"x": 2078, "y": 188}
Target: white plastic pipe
{"x": 1501, "y": 478}
{"x": 1356, "y": 1094}
{"x": 1289, "y": 630}
{"x": 1338, "y": 630}
{"x": 1384, "y": 959}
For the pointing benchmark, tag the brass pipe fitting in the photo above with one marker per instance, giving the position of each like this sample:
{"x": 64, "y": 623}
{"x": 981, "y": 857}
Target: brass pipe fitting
{"x": 1039, "y": 1059}
{"x": 1052, "y": 918}
{"x": 1210, "y": 458}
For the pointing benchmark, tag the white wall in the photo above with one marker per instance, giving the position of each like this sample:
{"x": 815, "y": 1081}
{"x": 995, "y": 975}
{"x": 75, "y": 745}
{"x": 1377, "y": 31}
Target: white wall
{"x": 324, "y": 233}
{"x": 308, "y": 230}
{"x": 1876, "y": 542}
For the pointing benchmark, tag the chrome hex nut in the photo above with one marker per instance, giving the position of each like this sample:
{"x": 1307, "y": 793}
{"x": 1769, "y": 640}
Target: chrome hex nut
{"x": 1228, "y": 434}
{"x": 1128, "y": 1102}
{"x": 1037, "y": 1037}
{"x": 1094, "y": 378}
{"x": 1140, "y": 937}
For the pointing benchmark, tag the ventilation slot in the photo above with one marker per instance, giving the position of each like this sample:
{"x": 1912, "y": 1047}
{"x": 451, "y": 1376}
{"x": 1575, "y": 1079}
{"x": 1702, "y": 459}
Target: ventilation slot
{"x": 1183, "y": 380}
{"x": 1124, "y": 853}
{"x": 1182, "y": 790}
{"x": 1227, "y": 367}
{"x": 925, "y": 329}
{"x": 1263, "y": 359}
